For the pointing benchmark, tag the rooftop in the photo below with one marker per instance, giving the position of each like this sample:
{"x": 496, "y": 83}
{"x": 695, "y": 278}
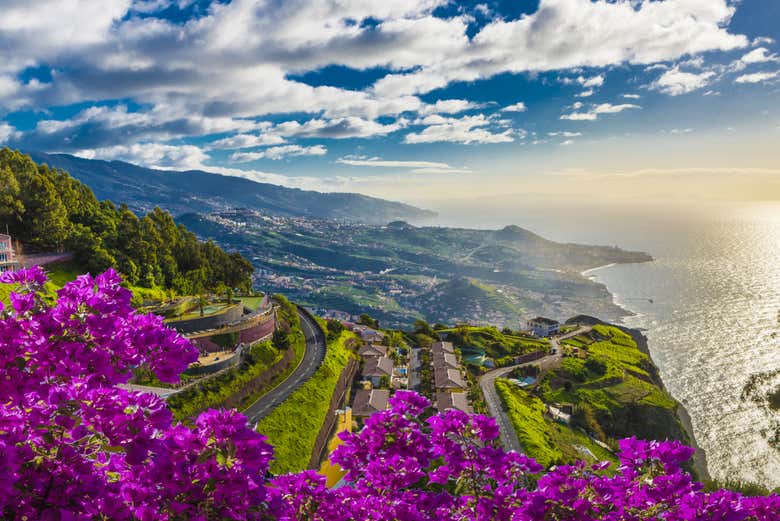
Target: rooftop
{"x": 453, "y": 400}
{"x": 378, "y": 366}
{"x": 443, "y": 347}
{"x": 367, "y": 402}
{"x": 445, "y": 360}
{"x": 370, "y": 350}
{"x": 448, "y": 379}
{"x": 544, "y": 320}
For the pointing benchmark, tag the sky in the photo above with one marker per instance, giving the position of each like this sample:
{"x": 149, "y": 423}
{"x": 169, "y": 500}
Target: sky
{"x": 418, "y": 101}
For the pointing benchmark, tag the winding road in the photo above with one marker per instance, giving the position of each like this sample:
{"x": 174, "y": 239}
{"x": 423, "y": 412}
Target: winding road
{"x": 487, "y": 384}
{"x": 312, "y": 358}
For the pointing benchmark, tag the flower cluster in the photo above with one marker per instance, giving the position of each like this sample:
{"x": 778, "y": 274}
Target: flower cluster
{"x": 73, "y": 445}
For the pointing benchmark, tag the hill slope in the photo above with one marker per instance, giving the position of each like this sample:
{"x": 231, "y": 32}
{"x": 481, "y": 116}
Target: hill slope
{"x": 180, "y": 192}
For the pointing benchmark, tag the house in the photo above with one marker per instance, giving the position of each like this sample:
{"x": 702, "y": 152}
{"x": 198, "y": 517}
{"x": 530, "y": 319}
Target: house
{"x": 445, "y": 360}
{"x": 443, "y": 347}
{"x": 366, "y": 333}
{"x": 558, "y": 415}
{"x": 376, "y": 368}
{"x": 449, "y": 400}
{"x": 446, "y": 378}
{"x": 372, "y": 350}
{"x": 7, "y": 257}
{"x": 367, "y": 402}
{"x": 542, "y": 327}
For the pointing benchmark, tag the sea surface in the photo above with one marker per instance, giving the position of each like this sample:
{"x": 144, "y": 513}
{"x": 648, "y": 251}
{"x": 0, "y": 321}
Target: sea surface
{"x": 709, "y": 303}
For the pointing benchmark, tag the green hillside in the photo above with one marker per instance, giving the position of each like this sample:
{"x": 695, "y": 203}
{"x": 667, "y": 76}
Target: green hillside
{"x": 611, "y": 387}
{"x": 47, "y": 210}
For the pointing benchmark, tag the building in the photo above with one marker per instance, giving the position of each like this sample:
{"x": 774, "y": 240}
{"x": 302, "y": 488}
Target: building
{"x": 376, "y": 368}
{"x": 443, "y": 348}
{"x": 449, "y": 400}
{"x": 541, "y": 326}
{"x": 8, "y": 260}
{"x": 372, "y": 350}
{"x": 367, "y": 402}
{"x": 445, "y": 360}
{"x": 448, "y": 379}
{"x": 366, "y": 333}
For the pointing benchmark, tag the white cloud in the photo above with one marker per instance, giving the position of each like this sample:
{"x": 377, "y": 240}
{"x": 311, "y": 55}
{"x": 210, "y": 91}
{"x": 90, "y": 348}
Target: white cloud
{"x": 675, "y": 82}
{"x": 236, "y": 62}
{"x": 567, "y": 142}
{"x": 154, "y": 155}
{"x": 516, "y": 107}
{"x": 419, "y": 167}
{"x": 465, "y": 130}
{"x": 631, "y": 96}
{"x": 759, "y": 55}
{"x": 758, "y": 77}
{"x": 564, "y": 133}
{"x": 7, "y": 132}
{"x": 595, "y": 110}
{"x": 585, "y": 94}
{"x": 595, "y": 34}
{"x": 276, "y": 153}
{"x": 595, "y": 81}
{"x": 248, "y": 141}
{"x": 450, "y": 106}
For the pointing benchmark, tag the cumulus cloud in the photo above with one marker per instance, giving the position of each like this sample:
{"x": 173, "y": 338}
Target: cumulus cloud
{"x": 237, "y": 62}
{"x": 515, "y": 107}
{"x": 598, "y": 34}
{"x": 156, "y": 155}
{"x": 338, "y": 128}
{"x": 675, "y": 82}
{"x": 466, "y": 130}
{"x": 450, "y": 106}
{"x": 276, "y": 153}
{"x": 759, "y": 55}
{"x": 758, "y": 77}
{"x": 7, "y": 132}
{"x": 596, "y": 110}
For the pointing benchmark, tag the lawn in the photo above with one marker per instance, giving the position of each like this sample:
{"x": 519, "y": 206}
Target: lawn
{"x": 292, "y": 428}
{"x": 546, "y": 441}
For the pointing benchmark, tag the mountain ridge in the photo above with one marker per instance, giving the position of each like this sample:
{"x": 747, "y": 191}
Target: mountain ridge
{"x": 186, "y": 191}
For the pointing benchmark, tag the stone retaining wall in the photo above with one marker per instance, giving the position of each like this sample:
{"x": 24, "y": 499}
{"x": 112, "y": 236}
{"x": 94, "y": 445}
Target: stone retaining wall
{"x": 342, "y": 386}
{"x": 230, "y": 315}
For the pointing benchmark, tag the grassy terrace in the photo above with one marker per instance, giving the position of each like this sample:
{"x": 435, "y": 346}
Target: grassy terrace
{"x": 292, "y": 427}
{"x": 63, "y": 272}
{"x": 612, "y": 389}
{"x": 548, "y": 442}
{"x": 496, "y": 344}
{"x": 212, "y": 392}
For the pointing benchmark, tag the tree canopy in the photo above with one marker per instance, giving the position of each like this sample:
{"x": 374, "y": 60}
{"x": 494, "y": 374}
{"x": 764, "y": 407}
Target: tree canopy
{"x": 48, "y": 210}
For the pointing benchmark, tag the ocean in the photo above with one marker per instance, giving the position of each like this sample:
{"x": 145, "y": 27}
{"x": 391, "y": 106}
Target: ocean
{"x": 708, "y": 303}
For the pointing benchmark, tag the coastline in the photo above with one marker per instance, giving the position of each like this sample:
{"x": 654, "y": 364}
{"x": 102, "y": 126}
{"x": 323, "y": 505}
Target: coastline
{"x": 700, "y": 456}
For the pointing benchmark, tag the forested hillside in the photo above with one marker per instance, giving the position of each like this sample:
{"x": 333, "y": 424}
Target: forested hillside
{"x": 47, "y": 210}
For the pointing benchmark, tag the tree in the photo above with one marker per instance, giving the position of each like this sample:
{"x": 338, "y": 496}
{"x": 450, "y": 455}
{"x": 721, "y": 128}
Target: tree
{"x": 366, "y": 320}
{"x": 11, "y": 207}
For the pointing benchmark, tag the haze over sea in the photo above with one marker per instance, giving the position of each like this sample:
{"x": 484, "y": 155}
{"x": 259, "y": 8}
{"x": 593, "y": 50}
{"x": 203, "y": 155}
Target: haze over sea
{"x": 715, "y": 291}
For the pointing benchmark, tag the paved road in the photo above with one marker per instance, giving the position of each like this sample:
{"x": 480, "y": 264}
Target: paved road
{"x": 487, "y": 383}
{"x": 312, "y": 358}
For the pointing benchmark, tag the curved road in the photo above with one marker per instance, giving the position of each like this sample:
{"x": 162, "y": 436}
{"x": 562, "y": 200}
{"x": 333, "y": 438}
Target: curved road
{"x": 312, "y": 358}
{"x": 487, "y": 384}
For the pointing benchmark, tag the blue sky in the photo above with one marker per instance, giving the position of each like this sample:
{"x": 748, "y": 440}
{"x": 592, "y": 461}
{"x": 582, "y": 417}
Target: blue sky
{"x": 413, "y": 100}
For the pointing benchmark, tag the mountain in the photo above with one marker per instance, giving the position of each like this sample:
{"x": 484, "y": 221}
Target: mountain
{"x": 399, "y": 272}
{"x": 196, "y": 191}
